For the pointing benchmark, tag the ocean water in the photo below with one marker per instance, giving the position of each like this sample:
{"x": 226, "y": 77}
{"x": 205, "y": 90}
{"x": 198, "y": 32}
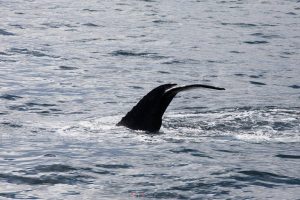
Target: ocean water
{"x": 69, "y": 71}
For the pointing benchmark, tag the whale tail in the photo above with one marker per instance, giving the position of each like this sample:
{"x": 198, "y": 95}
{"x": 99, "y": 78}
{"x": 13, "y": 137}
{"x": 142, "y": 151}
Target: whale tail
{"x": 147, "y": 113}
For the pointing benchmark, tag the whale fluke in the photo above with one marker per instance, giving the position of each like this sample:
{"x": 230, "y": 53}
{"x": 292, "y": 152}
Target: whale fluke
{"x": 147, "y": 113}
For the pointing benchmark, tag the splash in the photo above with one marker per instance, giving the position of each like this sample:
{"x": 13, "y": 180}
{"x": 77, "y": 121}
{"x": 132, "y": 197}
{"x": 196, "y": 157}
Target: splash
{"x": 248, "y": 124}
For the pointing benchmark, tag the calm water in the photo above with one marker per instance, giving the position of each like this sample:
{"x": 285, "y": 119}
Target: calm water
{"x": 71, "y": 70}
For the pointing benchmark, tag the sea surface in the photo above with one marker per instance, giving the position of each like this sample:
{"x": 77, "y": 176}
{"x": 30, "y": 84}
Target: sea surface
{"x": 70, "y": 70}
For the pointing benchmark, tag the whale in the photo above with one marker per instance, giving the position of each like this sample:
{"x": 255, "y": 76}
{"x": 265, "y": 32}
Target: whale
{"x": 147, "y": 114}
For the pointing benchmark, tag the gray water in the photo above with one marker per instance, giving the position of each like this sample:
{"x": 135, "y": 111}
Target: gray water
{"x": 71, "y": 69}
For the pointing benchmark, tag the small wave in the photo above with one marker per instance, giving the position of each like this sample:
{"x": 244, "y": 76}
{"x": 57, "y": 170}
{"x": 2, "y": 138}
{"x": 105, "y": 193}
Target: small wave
{"x": 87, "y": 40}
{"x": 150, "y": 1}
{"x": 243, "y": 25}
{"x": 265, "y": 36}
{"x": 6, "y": 33}
{"x": 54, "y": 168}
{"x": 10, "y": 97}
{"x": 288, "y": 53}
{"x": 10, "y": 195}
{"x": 11, "y": 124}
{"x": 295, "y": 86}
{"x": 129, "y": 53}
{"x": 91, "y": 25}
{"x": 57, "y": 25}
{"x": 30, "y": 52}
{"x": 255, "y": 177}
{"x": 137, "y": 87}
{"x": 237, "y": 52}
{"x": 257, "y": 83}
{"x": 17, "y": 26}
{"x": 52, "y": 179}
{"x": 174, "y": 61}
{"x": 7, "y": 61}
{"x": 89, "y": 10}
{"x": 256, "y": 76}
{"x": 114, "y": 166}
{"x": 192, "y": 152}
{"x": 4, "y": 54}
{"x": 67, "y": 68}
{"x": 215, "y": 61}
{"x": 50, "y": 155}
{"x": 240, "y": 74}
{"x": 256, "y": 42}
{"x": 164, "y": 72}
{"x": 288, "y": 156}
{"x": 184, "y": 150}
{"x": 31, "y": 104}
{"x": 159, "y": 21}
{"x": 266, "y": 25}
{"x": 203, "y": 187}
{"x": 291, "y": 13}
{"x": 162, "y": 195}
{"x": 39, "y": 108}
{"x": 18, "y": 107}
{"x": 185, "y": 61}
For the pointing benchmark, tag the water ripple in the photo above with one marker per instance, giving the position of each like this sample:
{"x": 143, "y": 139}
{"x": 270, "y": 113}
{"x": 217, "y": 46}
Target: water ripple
{"x": 130, "y": 53}
{"x": 6, "y": 33}
{"x": 244, "y": 25}
{"x": 30, "y": 52}
{"x": 256, "y": 42}
{"x": 54, "y": 168}
{"x": 91, "y": 25}
{"x": 67, "y": 68}
{"x": 11, "y": 124}
{"x": 295, "y": 86}
{"x": 259, "y": 177}
{"x": 10, "y": 195}
{"x": 288, "y": 156}
{"x": 257, "y": 83}
{"x": 10, "y": 97}
{"x": 114, "y": 166}
{"x": 52, "y": 179}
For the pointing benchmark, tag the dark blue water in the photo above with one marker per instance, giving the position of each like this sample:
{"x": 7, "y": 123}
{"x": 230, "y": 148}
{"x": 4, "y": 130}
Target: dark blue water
{"x": 70, "y": 70}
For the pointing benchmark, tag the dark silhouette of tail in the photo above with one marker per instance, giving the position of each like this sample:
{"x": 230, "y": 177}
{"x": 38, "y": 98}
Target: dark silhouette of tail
{"x": 147, "y": 113}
